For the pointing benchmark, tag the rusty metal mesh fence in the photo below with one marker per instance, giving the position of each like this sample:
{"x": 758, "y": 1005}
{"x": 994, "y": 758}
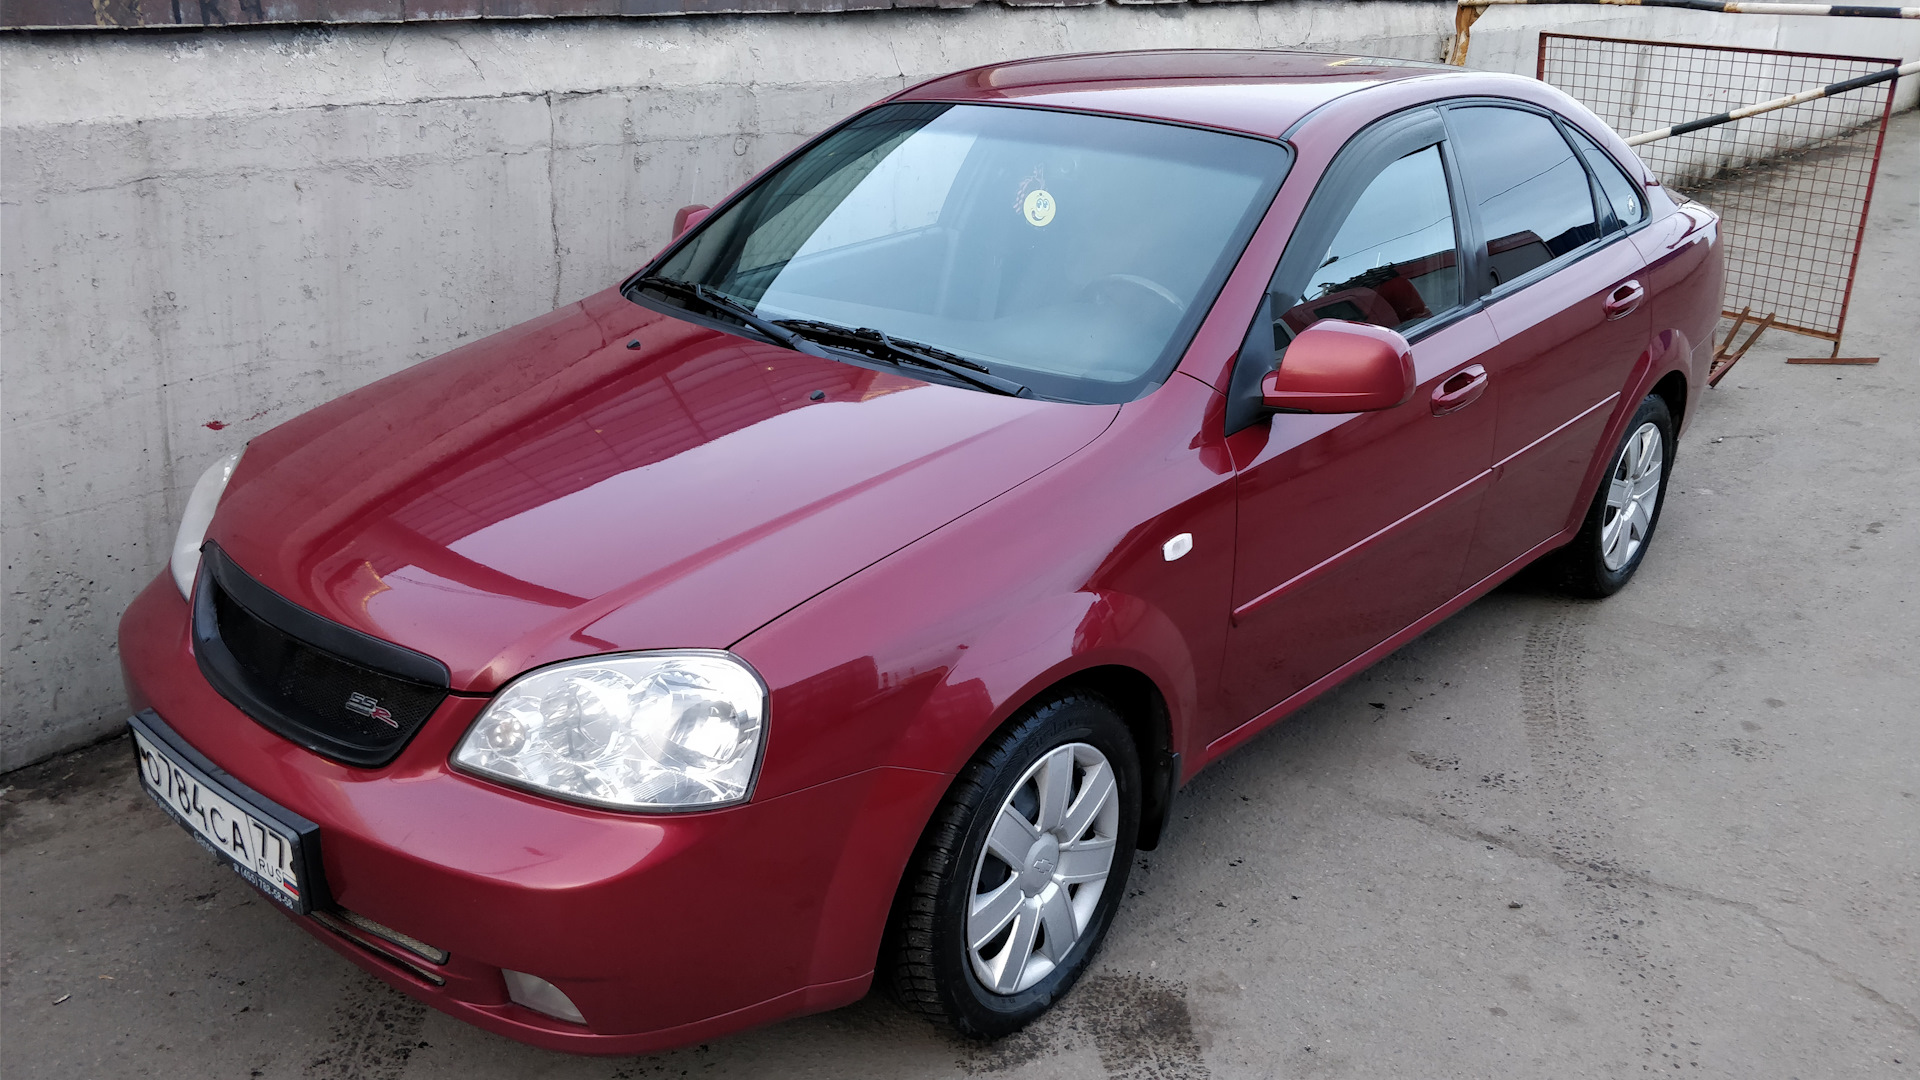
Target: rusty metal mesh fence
{"x": 1791, "y": 186}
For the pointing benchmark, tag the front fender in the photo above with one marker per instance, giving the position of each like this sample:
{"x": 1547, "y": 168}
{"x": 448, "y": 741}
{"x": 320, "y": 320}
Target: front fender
{"x": 916, "y": 660}
{"x": 913, "y": 663}
{"x": 1043, "y": 645}
{"x": 925, "y": 709}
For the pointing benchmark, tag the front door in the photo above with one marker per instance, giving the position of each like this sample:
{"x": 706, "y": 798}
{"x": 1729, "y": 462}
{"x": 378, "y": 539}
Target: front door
{"x": 1352, "y": 527}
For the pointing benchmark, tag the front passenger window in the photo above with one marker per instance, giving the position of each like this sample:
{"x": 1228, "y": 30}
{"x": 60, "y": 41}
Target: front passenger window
{"x": 1392, "y": 263}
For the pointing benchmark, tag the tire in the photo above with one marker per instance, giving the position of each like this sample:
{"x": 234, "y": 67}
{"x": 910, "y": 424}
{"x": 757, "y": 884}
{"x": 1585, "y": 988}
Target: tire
{"x": 1619, "y": 526}
{"x": 936, "y": 970}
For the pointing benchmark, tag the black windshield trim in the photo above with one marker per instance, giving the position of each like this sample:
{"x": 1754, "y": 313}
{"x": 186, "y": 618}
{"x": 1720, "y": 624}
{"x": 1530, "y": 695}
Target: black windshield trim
{"x": 1166, "y": 121}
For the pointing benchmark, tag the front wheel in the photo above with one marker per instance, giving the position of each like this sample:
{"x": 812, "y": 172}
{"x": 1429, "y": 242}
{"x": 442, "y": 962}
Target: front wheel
{"x": 1619, "y": 525}
{"x": 1020, "y": 870}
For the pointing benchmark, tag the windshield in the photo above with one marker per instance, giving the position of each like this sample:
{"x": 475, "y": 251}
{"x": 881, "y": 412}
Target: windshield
{"x": 1071, "y": 253}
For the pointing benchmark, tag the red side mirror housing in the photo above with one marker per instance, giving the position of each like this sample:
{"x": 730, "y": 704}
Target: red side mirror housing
{"x": 687, "y": 217}
{"x": 1341, "y": 367}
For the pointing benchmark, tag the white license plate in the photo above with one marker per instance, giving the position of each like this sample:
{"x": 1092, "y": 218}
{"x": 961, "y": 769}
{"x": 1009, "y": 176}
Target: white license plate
{"x": 266, "y": 851}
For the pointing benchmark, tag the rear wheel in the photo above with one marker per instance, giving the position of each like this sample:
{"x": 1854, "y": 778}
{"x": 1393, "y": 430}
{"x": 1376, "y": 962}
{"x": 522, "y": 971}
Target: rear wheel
{"x": 1619, "y": 524}
{"x": 1020, "y": 871}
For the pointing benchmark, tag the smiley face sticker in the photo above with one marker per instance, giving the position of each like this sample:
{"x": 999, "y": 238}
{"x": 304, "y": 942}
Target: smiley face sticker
{"x": 1037, "y": 207}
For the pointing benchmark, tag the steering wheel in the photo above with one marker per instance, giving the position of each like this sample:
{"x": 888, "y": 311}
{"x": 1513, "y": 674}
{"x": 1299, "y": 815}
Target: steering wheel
{"x": 1103, "y": 289}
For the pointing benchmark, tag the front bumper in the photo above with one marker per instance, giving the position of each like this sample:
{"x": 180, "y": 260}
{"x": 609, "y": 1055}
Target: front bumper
{"x": 662, "y": 929}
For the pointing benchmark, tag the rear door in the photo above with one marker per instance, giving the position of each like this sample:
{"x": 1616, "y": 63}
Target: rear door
{"x": 1549, "y": 256}
{"x": 1354, "y": 526}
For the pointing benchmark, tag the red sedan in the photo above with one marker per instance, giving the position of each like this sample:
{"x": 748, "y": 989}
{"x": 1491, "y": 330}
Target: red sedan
{"x": 846, "y": 595}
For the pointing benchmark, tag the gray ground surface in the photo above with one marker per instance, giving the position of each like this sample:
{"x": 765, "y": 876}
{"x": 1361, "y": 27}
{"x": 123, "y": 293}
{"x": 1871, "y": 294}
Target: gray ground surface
{"x": 1675, "y": 831}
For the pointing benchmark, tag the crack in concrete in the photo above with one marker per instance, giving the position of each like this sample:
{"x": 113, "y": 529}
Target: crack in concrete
{"x": 1847, "y": 978}
{"x": 454, "y": 41}
{"x": 1526, "y": 848}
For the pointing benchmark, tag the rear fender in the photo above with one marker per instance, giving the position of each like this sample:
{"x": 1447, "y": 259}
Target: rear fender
{"x": 1668, "y": 353}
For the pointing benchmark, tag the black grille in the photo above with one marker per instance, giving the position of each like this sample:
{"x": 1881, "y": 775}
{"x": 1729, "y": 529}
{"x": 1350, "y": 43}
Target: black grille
{"x": 328, "y": 687}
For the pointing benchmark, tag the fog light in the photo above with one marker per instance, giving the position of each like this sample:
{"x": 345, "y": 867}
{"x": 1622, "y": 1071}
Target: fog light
{"x": 541, "y": 996}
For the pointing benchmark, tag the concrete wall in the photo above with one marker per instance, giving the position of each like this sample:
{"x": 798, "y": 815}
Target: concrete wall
{"x": 205, "y": 234}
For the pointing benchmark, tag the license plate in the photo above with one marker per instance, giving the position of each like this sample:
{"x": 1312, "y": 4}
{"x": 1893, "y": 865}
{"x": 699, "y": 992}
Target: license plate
{"x": 273, "y": 848}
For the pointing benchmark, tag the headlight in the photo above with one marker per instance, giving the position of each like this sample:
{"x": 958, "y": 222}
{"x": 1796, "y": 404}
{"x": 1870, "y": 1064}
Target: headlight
{"x": 193, "y": 523}
{"x": 638, "y": 731}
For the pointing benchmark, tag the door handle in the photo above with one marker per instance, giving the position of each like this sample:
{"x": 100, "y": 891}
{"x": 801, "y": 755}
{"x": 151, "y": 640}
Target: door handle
{"x": 1461, "y": 389}
{"x": 1623, "y": 299}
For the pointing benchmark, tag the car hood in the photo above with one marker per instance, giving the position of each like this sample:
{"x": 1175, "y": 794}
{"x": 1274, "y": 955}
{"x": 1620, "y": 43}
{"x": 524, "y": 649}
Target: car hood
{"x": 555, "y": 491}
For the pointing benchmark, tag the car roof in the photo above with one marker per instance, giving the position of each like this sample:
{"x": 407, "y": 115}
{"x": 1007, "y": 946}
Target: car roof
{"x": 1258, "y": 91}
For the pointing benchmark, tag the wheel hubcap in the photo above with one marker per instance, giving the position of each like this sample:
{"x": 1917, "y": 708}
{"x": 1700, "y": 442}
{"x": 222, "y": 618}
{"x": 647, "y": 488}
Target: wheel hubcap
{"x": 1046, "y": 863}
{"x": 1633, "y": 492}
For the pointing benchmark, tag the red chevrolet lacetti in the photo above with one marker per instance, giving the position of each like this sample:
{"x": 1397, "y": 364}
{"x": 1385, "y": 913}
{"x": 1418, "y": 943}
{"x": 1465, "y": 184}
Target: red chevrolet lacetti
{"x": 847, "y": 594}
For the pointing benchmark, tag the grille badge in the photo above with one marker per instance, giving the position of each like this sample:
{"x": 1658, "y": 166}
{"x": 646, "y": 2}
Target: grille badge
{"x": 368, "y": 706}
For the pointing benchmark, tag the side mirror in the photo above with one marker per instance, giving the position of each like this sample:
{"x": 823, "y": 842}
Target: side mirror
{"x": 687, "y": 217}
{"x": 1341, "y": 367}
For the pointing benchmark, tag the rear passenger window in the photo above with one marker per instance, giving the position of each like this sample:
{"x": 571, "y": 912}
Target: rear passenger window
{"x": 1534, "y": 201}
{"x": 1392, "y": 263}
{"x": 1621, "y": 192}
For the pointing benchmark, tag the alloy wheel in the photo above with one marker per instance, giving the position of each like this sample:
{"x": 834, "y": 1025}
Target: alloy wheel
{"x": 1047, "y": 858}
{"x": 1633, "y": 493}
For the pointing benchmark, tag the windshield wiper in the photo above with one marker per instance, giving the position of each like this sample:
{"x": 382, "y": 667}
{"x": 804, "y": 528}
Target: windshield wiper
{"x": 789, "y": 334}
{"x": 865, "y": 339}
{"x": 726, "y": 305}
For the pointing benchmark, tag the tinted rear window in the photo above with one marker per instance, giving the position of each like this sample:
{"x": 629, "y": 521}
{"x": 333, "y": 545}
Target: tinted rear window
{"x": 1620, "y": 191}
{"x": 1532, "y": 194}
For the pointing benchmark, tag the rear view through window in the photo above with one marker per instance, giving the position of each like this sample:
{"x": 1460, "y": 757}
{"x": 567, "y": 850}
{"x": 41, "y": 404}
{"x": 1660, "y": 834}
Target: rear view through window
{"x": 1073, "y": 253}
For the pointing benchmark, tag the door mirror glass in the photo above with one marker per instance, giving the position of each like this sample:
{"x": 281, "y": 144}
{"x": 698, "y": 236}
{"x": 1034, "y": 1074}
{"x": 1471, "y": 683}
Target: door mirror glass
{"x": 687, "y": 217}
{"x": 1341, "y": 367}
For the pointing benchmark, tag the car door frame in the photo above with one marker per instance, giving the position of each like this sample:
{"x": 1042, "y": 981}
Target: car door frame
{"x": 1319, "y": 222}
{"x": 1611, "y": 230}
{"x": 1360, "y": 159}
{"x": 1243, "y": 384}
